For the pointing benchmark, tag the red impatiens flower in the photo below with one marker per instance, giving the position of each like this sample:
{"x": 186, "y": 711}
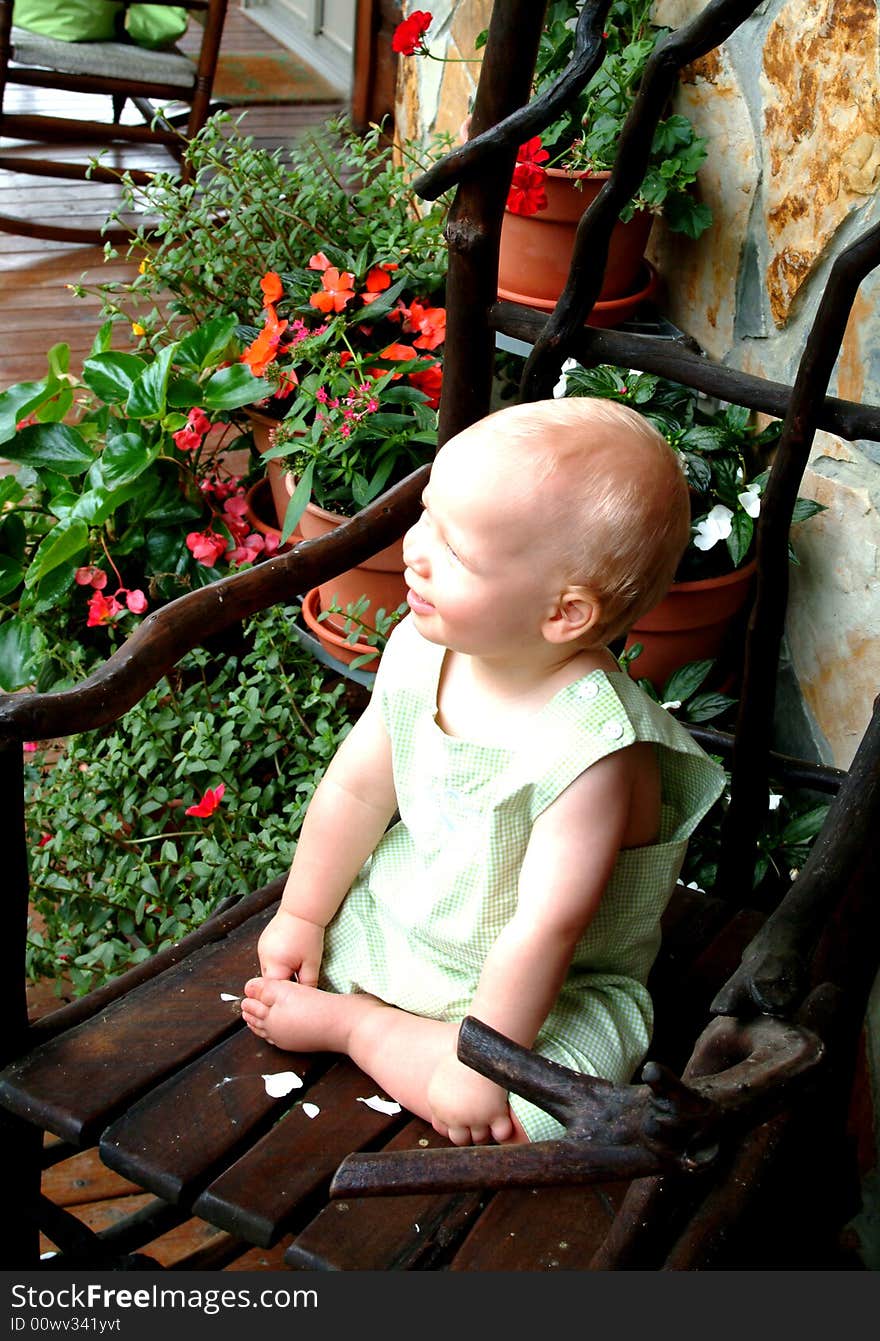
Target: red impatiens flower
{"x": 319, "y": 261}
{"x": 408, "y": 36}
{"x": 430, "y": 322}
{"x": 397, "y": 352}
{"x": 430, "y": 382}
{"x": 527, "y": 194}
{"x": 532, "y": 151}
{"x": 102, "y": 610}
{"x": 337, "y": 291}
{"x": 377, "y": 281}
{"x": 261, "y": 352}
{"x": 206, "y": 546}
{"x": 209, "y": 802}
{"x": 272, "y": 287}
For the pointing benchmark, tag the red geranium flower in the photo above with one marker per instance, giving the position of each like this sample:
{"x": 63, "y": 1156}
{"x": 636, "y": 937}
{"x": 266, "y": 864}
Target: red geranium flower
{"x": 532, "y": 151}
{"x": 408, "y": 36}
{"x": 209, "y": 802}
{"x": 527, "y": 194}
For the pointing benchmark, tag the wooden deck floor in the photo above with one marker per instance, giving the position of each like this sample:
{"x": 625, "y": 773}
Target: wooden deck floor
{"x": 37, "y": 310}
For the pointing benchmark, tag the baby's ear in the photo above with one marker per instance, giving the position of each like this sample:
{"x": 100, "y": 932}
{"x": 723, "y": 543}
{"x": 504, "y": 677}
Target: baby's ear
{"x": 575, "y": 613}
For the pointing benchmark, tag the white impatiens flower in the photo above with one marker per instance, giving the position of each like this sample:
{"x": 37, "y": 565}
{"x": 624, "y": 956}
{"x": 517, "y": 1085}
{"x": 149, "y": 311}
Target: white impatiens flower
{"x": 774, "y": 801}
{"x": 714, "y": 527}
{"x": 750, "y": 501}
{"x": 562, "y": 385}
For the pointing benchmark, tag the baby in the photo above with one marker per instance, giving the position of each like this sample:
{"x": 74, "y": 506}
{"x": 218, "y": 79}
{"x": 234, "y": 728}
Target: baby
{"x": 544, "y": 800}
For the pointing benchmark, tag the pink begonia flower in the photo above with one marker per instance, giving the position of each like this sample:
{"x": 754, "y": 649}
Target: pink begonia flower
{"x": 206, "y": 547}
{"x": 209, "y": 802}
{"x": 90, "y": 576}
{"x": 136, "y": 601}
{"x": 102, "y": 610}
{"x": 28, "y": 746}
{"x": 187, "y": 439}
{"x": 198, "y": 420}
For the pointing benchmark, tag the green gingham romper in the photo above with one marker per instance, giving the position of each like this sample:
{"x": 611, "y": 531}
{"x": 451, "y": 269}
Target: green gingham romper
{"x": 426, "y": 907}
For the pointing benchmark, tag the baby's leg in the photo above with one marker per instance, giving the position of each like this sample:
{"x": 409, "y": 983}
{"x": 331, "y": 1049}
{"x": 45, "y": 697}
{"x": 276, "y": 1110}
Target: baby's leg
{"x": 398, "y": 1050}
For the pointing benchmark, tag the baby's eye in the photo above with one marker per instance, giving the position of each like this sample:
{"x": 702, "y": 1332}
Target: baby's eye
{"x": 452, "y": 554}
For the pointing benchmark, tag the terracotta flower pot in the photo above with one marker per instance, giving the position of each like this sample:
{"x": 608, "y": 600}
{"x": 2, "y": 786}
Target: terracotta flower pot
{"x": 689, "y": 624}
{"x": 379, "y": 578}
{"x": 261, "y": 513}
{"x": 261, "y": 427}
{"x": 536, "y": 250}
{"x": 333, "y": 642}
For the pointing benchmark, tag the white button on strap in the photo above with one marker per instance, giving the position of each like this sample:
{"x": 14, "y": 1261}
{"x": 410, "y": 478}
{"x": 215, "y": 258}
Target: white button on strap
{"x": 588, "y": 690}
{"x": 612, "y": 730}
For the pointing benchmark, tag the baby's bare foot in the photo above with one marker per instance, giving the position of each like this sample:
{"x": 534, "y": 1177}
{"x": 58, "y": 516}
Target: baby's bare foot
{"x": 299, "y": 1018}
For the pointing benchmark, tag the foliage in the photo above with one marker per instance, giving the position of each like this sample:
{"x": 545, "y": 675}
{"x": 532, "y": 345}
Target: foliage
{"x": 125, "y": 859}
{"x": 587, "y": 135}
{"x": 724, "y": 455}
{"x": 354, "y": 357}
{"x": 356, "y": 630}
{"x": 116, "y": 469}
{"x": 247, "y": 210}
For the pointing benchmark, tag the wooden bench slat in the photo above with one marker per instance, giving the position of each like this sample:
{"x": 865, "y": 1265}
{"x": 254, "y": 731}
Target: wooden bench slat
{"x": 258, "y": 1197}
{"x": 181, "y": 1134}
{"x": 386, "y": 1233}
{"x": 111, "y": 1059}
{"x": 540, "y": 1229}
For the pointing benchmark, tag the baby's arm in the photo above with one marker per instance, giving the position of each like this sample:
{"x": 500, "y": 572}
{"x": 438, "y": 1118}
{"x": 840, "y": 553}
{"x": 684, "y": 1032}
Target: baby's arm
{"x": 347, "y": 816}
{"x": 571, "y": 854}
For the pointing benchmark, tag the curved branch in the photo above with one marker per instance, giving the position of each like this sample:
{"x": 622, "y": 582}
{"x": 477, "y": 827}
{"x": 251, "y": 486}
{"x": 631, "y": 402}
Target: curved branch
{"x": 521, "y": 125}
{"x": 165, "y": 636}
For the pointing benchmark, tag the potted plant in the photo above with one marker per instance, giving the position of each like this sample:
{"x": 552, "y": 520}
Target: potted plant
{"x": 726, "y": 459}
{"x": 349, "y": 269}
{"x": 122, "y": 498}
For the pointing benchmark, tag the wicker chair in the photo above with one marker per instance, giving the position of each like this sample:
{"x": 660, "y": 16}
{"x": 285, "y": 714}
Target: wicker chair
{"x": 123, "y": 71}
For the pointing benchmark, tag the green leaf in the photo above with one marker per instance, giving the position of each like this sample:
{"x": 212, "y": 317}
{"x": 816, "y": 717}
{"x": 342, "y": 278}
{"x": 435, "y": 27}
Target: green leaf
{"x": 703, "y": 707}
{"x": 22, "y": 647}
{"x": 146, "y": 400}
{"x": 206, "y": 344}
{"x": 231, "y": 388}
{"x": 17, "y": 403}
{"x": 741, "y": 531}
{"x": 686, "y": 681}
{"x": 297, "y": 505}
{"x": 112, "y": 375}
{"x": 101, "y": 342}
{"x": 804, "y": 508}
{"x": 11, "y": 573}
{"x": 803, "y": 828}
{"x": 125, "y": 457}
{"x": 51, "y": 446}
{"x": 64, "y": 543}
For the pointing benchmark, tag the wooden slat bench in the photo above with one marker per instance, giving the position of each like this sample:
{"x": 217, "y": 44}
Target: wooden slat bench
{"x": 760, "y": 1015}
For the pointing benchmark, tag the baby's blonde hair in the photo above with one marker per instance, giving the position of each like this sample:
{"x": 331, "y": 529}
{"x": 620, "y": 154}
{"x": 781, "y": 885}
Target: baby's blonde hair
{"x": 619, "y": 498}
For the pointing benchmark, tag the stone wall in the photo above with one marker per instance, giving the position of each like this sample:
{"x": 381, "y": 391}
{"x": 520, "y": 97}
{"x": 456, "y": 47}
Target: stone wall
{"x": 790, "y": 107}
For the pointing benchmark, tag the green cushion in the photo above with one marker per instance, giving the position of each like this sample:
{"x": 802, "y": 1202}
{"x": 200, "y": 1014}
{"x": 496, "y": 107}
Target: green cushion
{"x": 154, "y": 26}
{"x": 72, "y": 21}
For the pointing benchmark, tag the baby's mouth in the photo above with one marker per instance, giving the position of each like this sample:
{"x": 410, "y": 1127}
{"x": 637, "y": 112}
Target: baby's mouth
{"x": 418, "y": 604}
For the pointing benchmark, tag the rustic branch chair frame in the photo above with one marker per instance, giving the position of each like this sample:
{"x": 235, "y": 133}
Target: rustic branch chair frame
{"x": 145, "y": 94}
{"x": 756, "y": 1124}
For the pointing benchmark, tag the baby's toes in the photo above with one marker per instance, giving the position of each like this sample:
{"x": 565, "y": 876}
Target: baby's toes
{"x": 254, "y": 987}
{"x": 252, "y": 1009}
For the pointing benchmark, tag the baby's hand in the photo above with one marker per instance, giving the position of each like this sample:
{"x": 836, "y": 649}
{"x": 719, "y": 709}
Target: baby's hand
{"x": 289, "y": 945}
{"x": 466, "y": 1107}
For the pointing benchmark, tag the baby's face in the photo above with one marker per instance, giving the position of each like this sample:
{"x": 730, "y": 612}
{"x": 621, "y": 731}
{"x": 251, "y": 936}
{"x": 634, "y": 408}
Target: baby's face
{"x": 481, "y": 571}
